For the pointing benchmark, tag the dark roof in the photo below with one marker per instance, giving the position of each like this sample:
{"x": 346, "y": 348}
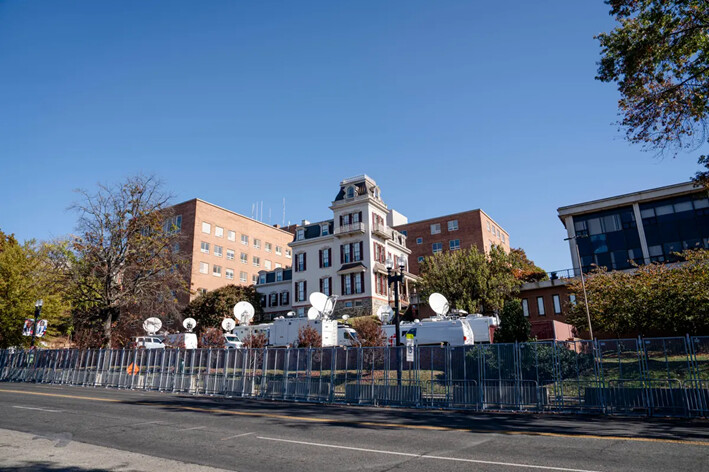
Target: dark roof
{"x": 352, "y": 265}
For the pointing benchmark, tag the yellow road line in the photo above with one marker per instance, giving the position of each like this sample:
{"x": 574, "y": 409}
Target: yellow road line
{"x": 367, "y": 423}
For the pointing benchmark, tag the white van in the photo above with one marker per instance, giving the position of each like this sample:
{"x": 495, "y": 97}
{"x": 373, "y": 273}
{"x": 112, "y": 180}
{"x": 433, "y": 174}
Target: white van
{"x": 232, "y": 341}
{"x": 243, "y": 332}
{"x": 347, "y": 336}
{"x": 481, "y": 326}
{"x": 433, "y": 331}
{"x": 148, "y": 342}
{"x": 284, "y": 331}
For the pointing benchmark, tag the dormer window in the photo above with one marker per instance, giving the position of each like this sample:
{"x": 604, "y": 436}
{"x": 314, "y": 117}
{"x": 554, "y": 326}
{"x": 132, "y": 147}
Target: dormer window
{"x": 300, "y": 234}
{"x": 325, "y": 230}
{"x": 350, "y": 191}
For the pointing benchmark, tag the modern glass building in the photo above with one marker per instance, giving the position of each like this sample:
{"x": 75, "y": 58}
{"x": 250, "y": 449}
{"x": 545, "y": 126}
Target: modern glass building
{"x": 641, "y": 227}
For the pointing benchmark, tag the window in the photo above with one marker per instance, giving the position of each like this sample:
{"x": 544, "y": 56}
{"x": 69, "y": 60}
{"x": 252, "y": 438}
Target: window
{"x": 217, "y": 271}
{"x": 218, "y": 232}
{"x": 300, "y": 291}
{"x": 262, "y": 279}
{"x": 257, "y": 243}
{"x": 325, "y": 285}
{"x": 285, "y": 298}
{"x": 267, "y": 264}
{"x": 244, "y": 258}
{"x": 273, "y": 299}
{"x": 572, "y": 299}
{"x": 382, "y": 282}
{"x": 288, "y": 253}
{"x": 279, "y": 276}
{"x": 346, "y": 285}
{"x": 325, "y": 257}
{"x": 350, "y": 192}
{"x": 278, "y": 250}
{"x": 453, "y": 225}
{"x": 173, "y": 225}
{"x": 206, "y": 227}
{"x": 300, "y": 234}
{"x": 379, "y": 253}
{"x": 254, "y": 278}
{"x": 557, "y": 304}
{"x": 437, "y": 247}
{"x": 488, "y": 226}
{"x": 358, "y": 285}
{"x": 203, "y": 268}
{"x": 231, "y": 236}
{"x": 419, "y": 240}
{"x": 277, "y": 265}
{"x": 346, "y": 253}
{"x": 454, "y": 244}
{"x": 257, "y": 261}
{"x": 525, "y": 307}
{"x": 300, "y": 262}
{"x": 435, "y": 228}
{"x": 230, "y": 254}
{"x": 204, "y": 247}
{"x": 218, "y": 251}
{"x": 229, "y": 273}
{"x": 405, "y": 233}
{"x": 243, "y": 276}
{"x": 325, "y": 229}
{"x": 244, "y": 240}
{"x": 540, "y": 306}
{"x": 357, "y": 256}
{"x": 420, "y": 259}
{"x": 267, "y": 247}
{"x": 503, "y": 237}
{"x": 300, "y": 312}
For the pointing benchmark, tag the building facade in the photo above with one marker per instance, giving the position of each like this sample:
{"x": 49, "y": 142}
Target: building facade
{"x": 640, "y": 227}
{"x": 346, "y": 255}
{"x": 223, "y": 247}
{"x": 451, "y": 233}
{"x": 275, "y": 288}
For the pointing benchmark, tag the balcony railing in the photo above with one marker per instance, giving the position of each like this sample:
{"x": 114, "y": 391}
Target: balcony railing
{"x": 382, "y": 231}
{"x": 349, "y": 229}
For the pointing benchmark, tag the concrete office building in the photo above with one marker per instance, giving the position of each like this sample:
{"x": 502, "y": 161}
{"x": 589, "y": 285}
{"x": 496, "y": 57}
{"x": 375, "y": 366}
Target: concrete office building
{"x": 451, "y": 233}
{"x": 224, "y": 247}
{"x": 346, "y": 255}
{"x": 643, "y": 227}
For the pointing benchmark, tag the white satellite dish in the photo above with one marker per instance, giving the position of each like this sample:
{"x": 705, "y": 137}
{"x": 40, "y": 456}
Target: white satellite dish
{"x": 324, "y": 304}
{"x": 345, "y": 317}
{"x": 290, "y": 314}
{"x": 152, "y": 325}
{"x": 189, "y": 324}
{"x": 438, "y": 304}
{"x": 385, "y": 313}
{"x": 313, "y": 313}
{"x": 244, "y": 312}
{"x": 228, "y": 324}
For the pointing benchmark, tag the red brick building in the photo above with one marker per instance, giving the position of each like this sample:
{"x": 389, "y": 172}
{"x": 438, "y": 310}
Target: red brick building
{"x": 224, "y": 247}
{"x": 451, "y": 233}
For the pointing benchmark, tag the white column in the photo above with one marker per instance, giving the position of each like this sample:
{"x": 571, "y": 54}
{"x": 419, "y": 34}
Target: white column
{"x": 641, "y": 232}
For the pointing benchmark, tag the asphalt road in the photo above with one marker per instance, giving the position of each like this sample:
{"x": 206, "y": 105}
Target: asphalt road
{"x": 246, "y": 435}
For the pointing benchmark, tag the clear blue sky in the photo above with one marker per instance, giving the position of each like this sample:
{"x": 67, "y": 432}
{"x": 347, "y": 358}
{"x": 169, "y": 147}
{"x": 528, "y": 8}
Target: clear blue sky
{"x": 448, "y": 105}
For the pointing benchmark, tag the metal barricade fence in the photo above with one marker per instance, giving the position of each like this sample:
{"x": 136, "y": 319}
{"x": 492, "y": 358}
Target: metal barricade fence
{"x": 647, "y": 376}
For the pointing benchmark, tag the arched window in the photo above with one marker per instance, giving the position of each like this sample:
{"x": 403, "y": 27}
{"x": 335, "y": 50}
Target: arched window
{"x": 350, "y": 191}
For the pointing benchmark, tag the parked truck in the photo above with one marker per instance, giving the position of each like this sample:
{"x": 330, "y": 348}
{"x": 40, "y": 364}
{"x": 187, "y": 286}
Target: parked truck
{"x": 433, "y": 331}
{"x": 284, "y": 331}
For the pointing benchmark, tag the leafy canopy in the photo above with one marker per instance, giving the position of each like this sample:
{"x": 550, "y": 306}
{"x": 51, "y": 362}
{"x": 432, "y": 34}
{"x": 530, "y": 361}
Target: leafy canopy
{"x": 211, "y": 308}
{"x": 471, "y": 280}
{"x": 514, "y": 326}
{"x": 653, "y": 300}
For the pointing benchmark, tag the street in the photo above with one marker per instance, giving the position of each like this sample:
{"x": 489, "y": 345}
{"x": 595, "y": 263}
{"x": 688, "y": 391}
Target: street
{"x": 44, "y": 427}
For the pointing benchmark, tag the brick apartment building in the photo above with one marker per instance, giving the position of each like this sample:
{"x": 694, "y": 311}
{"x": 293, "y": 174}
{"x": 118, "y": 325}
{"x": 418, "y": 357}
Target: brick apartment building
{"x": 451, "y": 233}
{"x": 224, "y": 247}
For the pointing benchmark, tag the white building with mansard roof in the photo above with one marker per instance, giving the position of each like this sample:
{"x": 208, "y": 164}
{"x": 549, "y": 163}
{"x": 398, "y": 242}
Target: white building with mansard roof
{"x": 346, "y": 255}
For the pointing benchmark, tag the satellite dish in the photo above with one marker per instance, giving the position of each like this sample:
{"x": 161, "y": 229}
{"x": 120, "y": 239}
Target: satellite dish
{"x": 385, "y": 313}
{"x": 345, "y": 317}
{"x": 290, "y": 314}
{"x": 438, "y": 304}
{"x": 244, "y": 312}
{"x": 324, "y": 304}
{"x": 152, "y": 325}
{"x": 189, "y": 324}
{"x": 313, "y": 313}
{"x": 228, "y": 324}
{"x": 417, "y": 321}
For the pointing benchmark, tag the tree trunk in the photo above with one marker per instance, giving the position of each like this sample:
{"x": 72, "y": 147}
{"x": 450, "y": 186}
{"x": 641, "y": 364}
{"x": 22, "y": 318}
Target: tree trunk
{"x": 107, "y": 323}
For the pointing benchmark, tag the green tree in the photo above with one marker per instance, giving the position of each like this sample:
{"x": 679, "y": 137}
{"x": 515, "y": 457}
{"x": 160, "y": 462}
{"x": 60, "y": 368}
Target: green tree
{"x": 524, "y": 268}
{"x": 124, "y": 257}
{"x": 659, "y": 57}
{"x": 471, "y": 280}
{"x": 514, "y": 326}
{"x": 26, "y": 275}
{"x": 652, "y": 300}
{"x": 211, "y": 308}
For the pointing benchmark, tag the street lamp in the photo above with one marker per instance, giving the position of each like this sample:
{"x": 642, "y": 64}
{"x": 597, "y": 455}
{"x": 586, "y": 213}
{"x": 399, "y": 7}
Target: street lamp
{"x": 397, "y": 280}
{"x": 583, "y": 282}
{"x": 37, "y": 312}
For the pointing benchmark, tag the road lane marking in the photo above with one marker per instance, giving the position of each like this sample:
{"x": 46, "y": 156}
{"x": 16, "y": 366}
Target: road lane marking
{"x": 366, "y": 423}
{"x": 146, "y": 422}
{"x": 426, "y": 456}
{"x": 236, "y": 436}
{"x": 35, "y": 408}
{"x": 193, "y": 428}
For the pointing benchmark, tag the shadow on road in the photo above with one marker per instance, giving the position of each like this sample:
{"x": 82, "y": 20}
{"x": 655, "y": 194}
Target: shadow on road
{"x": 40, "y": 466}
{"x": 292, "y": 415}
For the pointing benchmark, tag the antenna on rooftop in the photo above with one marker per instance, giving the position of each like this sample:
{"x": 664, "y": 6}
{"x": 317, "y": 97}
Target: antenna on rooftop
{"x": 283, "y": 223}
